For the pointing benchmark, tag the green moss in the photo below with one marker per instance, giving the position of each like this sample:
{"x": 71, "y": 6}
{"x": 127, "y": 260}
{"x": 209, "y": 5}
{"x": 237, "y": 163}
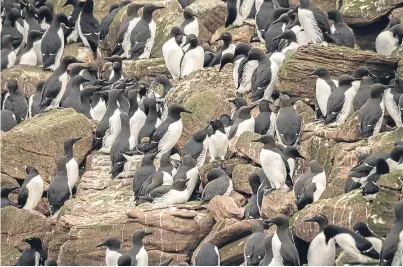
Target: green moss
{"x": 384, "y": 142}
{"x": 9, "y": 256}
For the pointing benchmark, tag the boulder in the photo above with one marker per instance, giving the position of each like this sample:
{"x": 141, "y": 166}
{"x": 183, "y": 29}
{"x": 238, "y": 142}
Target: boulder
{"x": 205, "y": 93}
{"x": 83, "y": 53}
{"x": 243, "y": 33}
{"x": 278, "y": 202}
{"x": 18, "y": 224}
{"x": 240, "y": 177}
{"x": 222, "y": 207}
{"x": 26, "y": 76}
{"x": 39, "y": 142}
{"x": 324, "y": 5}
{"x": 346, "y": 210}
{"x": 359, "y": 13}
{"x": 247, "y": 148}
{"x": 105, "y": 207}
{"x": 305, "y": 111}
{"x": 292, "y": 76}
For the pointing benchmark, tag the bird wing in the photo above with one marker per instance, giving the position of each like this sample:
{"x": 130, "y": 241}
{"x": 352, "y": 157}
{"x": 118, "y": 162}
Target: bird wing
{"x": 367, "y": 120}
{"x": 160, "y": 191}
{"x": 23, "y": 196}
{"x": 289, "y": 128}
{"x": 140, "y": 33}
{"x": 214, "y": 188}
{"x": 334, "y": 106}
{"x": 365, "y": 246}
{"x": 53, "y": 89}
{"x": 322, "y": 19}
{"x": 289, "y": 259}
{"x": 161, "y": 130}
{"x": 49, "y": 48}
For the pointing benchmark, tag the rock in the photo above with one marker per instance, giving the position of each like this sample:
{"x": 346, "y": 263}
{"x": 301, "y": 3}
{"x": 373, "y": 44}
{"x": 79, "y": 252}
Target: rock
{"x": 228, "y": 166}
{"x": 105, "y": 207}
{"x": 397, "y": 12}
{"x": 306, "y": 112}
{"x": 240, "y": 199}
{"x": 249, "y": 149}
{"x": 346, "y": 210}
{"x": 243, "y": 33}
{"x": 205, "y": 93}
{"x": 339, "y": 60}
{"x": 210, "y": 13}
{"x": 144, "y": 69}
{"x": 222, "y": 207}
{"x": 240, "y": 177}
{"x": 324, "y": 5}
{"x": 18, "y": 224}
{"x": 278, "y": 202}
{"x": 9, "y": 255}
{"x": 83, "y": 53}
{"x": 26, "y": 76}
{"x": 39, "y": 142}
{"x": 358, "y": 13}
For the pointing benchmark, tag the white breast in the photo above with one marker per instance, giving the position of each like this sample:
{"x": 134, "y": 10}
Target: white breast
{"x": 230, "y": 49}
{"x": 246, "y": 82}
{"x": 98, "y": 112}
{"x": 11, "y": 59}
{"x": 29, "y": 58}
{"x": 126, "y": 38}
{"x": 376, "y": 243}
{"x": 291, "y": 165}
{"x": 385, "y": 43}
{"x": 136, "y": 123}
{"x": 274, "y": 67}
{"x": 218, "y": 145}
{"x": 274, "y": 168}
{"x": 310, "y": 26}
{"x": 37, "y": 49}
{"x": 60, "y": 52}
{"x": 192, "y": 61}
{"x": 323, "y": 91}
{"x": 235, "y": 72}
{"x": 347, "y": 109}
{"x": 347, "y": 243}
{"x": 37, "y": 258}
{"x": 327, "y": 254}
{"x": 392, "y": 107}
{"x": 171, "y": 137}
{"x": 112, "y": 257}
{"x": 35, "y": 191}
{"x": 172, "y": 54}
{"x": 142, "y": 257}
{"x": 64, "y": 79}
{"x": 192, "y": 28}
{"x": 112, "y": 133}
{"x": 246, "y": 126}
{"x": 72, "y": 173}
{"x": 276, "y": 247}
{"x": 150, "y": 42}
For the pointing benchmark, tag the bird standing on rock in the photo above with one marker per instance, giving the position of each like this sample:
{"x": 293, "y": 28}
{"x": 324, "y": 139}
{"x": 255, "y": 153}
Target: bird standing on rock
{"x": 88, "y": 27}
{"x": 288, "y": 123}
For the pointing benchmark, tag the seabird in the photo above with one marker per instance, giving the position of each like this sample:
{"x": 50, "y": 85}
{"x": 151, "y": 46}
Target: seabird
{"x": 288, "y": 123}
{"x": 265, "y": 122}
{"x": 8, "y": 56}
{"x": 313, "y": 21}
{"x": 208, "y": 255}
{"x": 254, "y": 249}
{"x": 217, "y": 140}
{"x": 390, "y": 253}
{"x": 265, "y": 17}
{"x": 193, "y": 59}
{"x": 220, "y": 184}
{"x": 342, "y": 34}
{"x": 226, "y": 47}
{"x": 15, "y": 101}
{"x": 71, "y": 163}
{"x": 35, "y": 255}
{"x": 137, "y": 252}
{"x": 362, "y": 229}
{"x": 173, "y": 53}
{"x": 113, "y": 251}
{"x": 59, "y": 191}
{"x": 388, "y": 40}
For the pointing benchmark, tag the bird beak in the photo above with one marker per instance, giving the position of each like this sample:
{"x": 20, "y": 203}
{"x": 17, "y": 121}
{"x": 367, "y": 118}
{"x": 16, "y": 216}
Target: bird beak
{"x": 301, "y": 157}
{"x": 100, "y": 245}
{"x": 187, "y": 111}
{"x": 311, "y": 74}
{"x": 146, "y": 233}
{"x": 77, "y": 139}
{"x": 256, "y": 141}
{"x": 269, "y": 222}
{"x": 159, "y": 7}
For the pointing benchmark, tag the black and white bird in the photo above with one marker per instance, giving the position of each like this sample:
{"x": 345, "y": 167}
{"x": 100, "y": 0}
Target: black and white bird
{"x": 268, "y": 251}
{"x": 193, "y": 59}
{"x": 143, "y": 35}
{"x": 85, "y": 97}
{"x": 327, "y": 247}
{"x": 5, "y": 201}
{"x": 35, "y": 255}
{"x": 73, "y": 30}
{"x": 243, "y": 121}
{"x": 252, "y": 210}
{"x": 15, "y": 101}
{"x": 359, "y": 73}
{"x": 288, "y": 123}
{"x": 7, "y": 120}
{"x": 88, "y": 27}
{"x": 120, "y": 146}
{"x": 265, "y": 17}
{"x": 291, "y": 154}
{"x": 237, "y": 12}
{"x": 59, "y": 191}
{"x": 190, "y": 25}
{"x": 284, "y": 250}
{"x": 371, "y": 114}
{"x": 274, "y": 164}
{"x": 324, "y": 87}
{"x": 109, "y": 127}
{"x": 238, "y": 103}
{"x": 388, "y": 40}
{"x": 391, "y": 253}
{"x": 362, "y": 229}
{"x": 340, "y": 102}
{"x": 30, "y": 21}
{"x": 173, "y": 53}
{"x": 391, "y": 98}
{"x": 31, "y": 190}
{"x": 12, "y": 27}
{"x": 152, "y": 120}
{"x": 352, "y": 243}
{"x": 208, "y": 255}
{"x": 362, "y": 94}
{"x": 137, "y": 118}
{"x": 52, "y": 45}
{"x": 196, "y": 146}
{"x": 291, "y": 43}
{"x": 226, "y": 47}
{"x": 227, "y": 123}
{"x": 243, "y": 70}
{"x": 45, "y": 17}
{"x": 220, "y": 184}
{"x": 113, "y": 251}
{"x": 313, "y": 21}
{"x": 310, "y": 186}
{"x": 123, "y": 45}
{"x": 370, "y": 188}
{"x": 217, "y": 140}
{"x": 71, "y": 163}
{"x": 265, "y": 121}
{"x": 137, "y": 252}
{"x": 107, "y": 20}
{"x": 54, "y": 88}
{"x": 146, "y": 169}
{"x": 341, "y": 33}
{"x": 208, "y": 55}
{"x": 31, "y": 53}
{"x": 8, "y": 56}
{"x": 254, "y": 249}
{"x": 274, "y": 29}
{"x": 262, "y": 75}
{"x": 73, "y": 98}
